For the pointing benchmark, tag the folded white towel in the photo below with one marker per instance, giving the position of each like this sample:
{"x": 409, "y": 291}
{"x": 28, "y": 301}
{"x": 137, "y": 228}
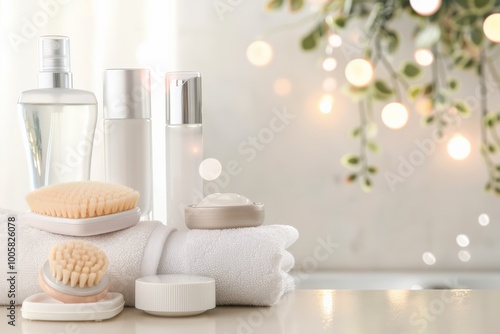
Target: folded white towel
{"x": 250, "y": 265}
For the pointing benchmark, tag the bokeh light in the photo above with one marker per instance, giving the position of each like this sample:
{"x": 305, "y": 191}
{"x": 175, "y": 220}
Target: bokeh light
{"x": 395, "y": 115}
{"x": 329, "y": 85}
{"x": 459, "y": 147}
{"x": 282, "y": 87}
{"x": 335, "y": 40}
{"x": 428, "y": 258}
{"x": 463, "y": 240}
{"x": 210, "y": 169}
{"x": 464, "y": 255}
{"x": 259, "y": 53}
{"x": 329, "y": 64}
{"x": 424, "y": 106}
{"x": 483, "y": 219}
{"x": 326, "y": 103}
{"x": 425, "y": 7}
{"x": 423, "y": 57}
{"x": 359, "y": 72}
{"x": 491, "y": 27}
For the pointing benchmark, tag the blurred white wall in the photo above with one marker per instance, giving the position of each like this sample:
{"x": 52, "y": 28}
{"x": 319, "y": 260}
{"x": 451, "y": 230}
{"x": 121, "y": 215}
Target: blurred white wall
{"x": 296, "y": 171}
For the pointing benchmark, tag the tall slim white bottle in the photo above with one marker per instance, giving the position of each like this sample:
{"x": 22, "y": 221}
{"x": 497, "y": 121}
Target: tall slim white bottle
{"x": 184, "y": 144}
{"x": 127, "y": 133}
{"x": 58, "y": 122}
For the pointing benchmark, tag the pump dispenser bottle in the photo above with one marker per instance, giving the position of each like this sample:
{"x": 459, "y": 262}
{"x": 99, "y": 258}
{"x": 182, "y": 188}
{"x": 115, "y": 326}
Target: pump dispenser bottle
{"x": 127, "y": 133}
{"x": 184, "y": 144}
{"x": 58, "y": 122}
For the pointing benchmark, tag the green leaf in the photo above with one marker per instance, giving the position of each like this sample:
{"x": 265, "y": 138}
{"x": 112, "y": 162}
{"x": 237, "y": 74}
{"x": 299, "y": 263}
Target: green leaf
{"x": 372, "y": 146}
{"x": 467, "y": 20}
{"x": 453, "y": 84}
{"x": 428, "y": 89}
{"x": 463, "y": 108}
{"x": 340, "y": 21}
{"x": 482, "y": 6}
{"x": 463, "y": 3}
{"x": 497, "y": 191}
{"x": 356, "y": 132}
{"x": 351, "y": 178}
{"x": 382, "y": 90}
{"x": 296, "y": 5}
{"x": 428, "y": 119}
{"x": 414, "y": 91}
{"x": 498, "y": 168}
{"x": 477, "y": 36}
{"x": 491, "y": 148}
{"x": 410, "y": 70}
{"x": 392, "y": 41}
{"x": 489, "y": 120}
{"x": 366, "y": 185}
{"x": 428, "y": 36}
{"x": 487, "y": 187}
{"x": 372, "y": 169}
{"x": 308, "y": 42}
{"x": 350, "y": 160}
{"x": 275, "y": 4}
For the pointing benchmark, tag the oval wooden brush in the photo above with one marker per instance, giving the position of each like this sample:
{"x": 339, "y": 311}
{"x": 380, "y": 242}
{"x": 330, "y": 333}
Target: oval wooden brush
{"x": 82, "y": 208}
{"x": 76, "y": 272}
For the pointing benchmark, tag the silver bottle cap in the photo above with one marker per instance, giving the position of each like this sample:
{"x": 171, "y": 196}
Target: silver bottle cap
{"x": 127, "y": 93}
{"x": 183, "y": 98}
{"x": 55, "y": 71}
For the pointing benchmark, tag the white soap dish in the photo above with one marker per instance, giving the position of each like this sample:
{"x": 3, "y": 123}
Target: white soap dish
{"x": 83, "y": 227}
{"x": 43, "y": 307}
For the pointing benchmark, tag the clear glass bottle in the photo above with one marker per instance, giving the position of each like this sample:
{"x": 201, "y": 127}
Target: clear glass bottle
{"x": 58, "y": 122}
{"x": 184, "y": 144}
{"x": 128, "y": 134}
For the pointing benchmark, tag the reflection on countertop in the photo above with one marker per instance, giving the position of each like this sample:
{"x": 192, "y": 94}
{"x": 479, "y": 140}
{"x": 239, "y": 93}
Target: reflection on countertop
{"x": 311, "y": 311}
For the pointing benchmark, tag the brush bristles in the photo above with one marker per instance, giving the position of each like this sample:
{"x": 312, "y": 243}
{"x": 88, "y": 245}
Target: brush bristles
{"x": 78, "y": 263}
{"x": 82, "y": 199}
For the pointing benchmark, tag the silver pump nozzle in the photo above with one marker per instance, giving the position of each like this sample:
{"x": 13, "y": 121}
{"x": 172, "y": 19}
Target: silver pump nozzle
{"x": 183, "y": 98}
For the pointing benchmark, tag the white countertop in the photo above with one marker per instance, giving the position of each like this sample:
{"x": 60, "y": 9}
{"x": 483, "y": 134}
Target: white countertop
{"x": 310, "y": 311}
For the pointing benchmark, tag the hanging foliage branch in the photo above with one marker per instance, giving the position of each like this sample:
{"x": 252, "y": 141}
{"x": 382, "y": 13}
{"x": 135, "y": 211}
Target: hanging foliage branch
{"x": 450, "y": 35}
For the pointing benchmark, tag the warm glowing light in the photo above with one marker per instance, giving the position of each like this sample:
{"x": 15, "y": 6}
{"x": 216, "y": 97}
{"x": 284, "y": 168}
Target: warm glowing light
{"x": 259, "y": 53}
{"x": 425, "y": 7}
{"x": 491, "y": 27}
{"x": 329, "y": 85}
{"x": 395, "y": 115}
{"x": 459, "y": 147}
{"x": 483, "y": 219}
{"x": 359, "y": 72}
{"x": 210, "y": 169}
{"x": 428, "y": 258}
{"x": 423, "y": 57}
{"x": 329, "y": 64}
{"x": 423, "y": 106}
{"x": 464, "y": 255}
{"x": 282, "y": 87}
{"x": 326, "y": 104}
{"x": 463, "y": 240}
{"x": 335, "y": 40}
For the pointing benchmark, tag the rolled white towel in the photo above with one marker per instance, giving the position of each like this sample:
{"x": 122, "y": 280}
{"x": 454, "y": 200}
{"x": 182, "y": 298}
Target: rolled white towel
{"x": 250, "y": 265}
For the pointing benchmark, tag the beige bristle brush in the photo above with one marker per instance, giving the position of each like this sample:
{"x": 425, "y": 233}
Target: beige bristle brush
{"x": 83, "y": 208}
{"x": 76, "y": 272}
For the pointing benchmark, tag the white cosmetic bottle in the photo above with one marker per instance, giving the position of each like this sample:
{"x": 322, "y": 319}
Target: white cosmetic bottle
{"x": 128, "y": 134}
{"x": 184, "y": 144}
{"x": 58, "y": 121}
